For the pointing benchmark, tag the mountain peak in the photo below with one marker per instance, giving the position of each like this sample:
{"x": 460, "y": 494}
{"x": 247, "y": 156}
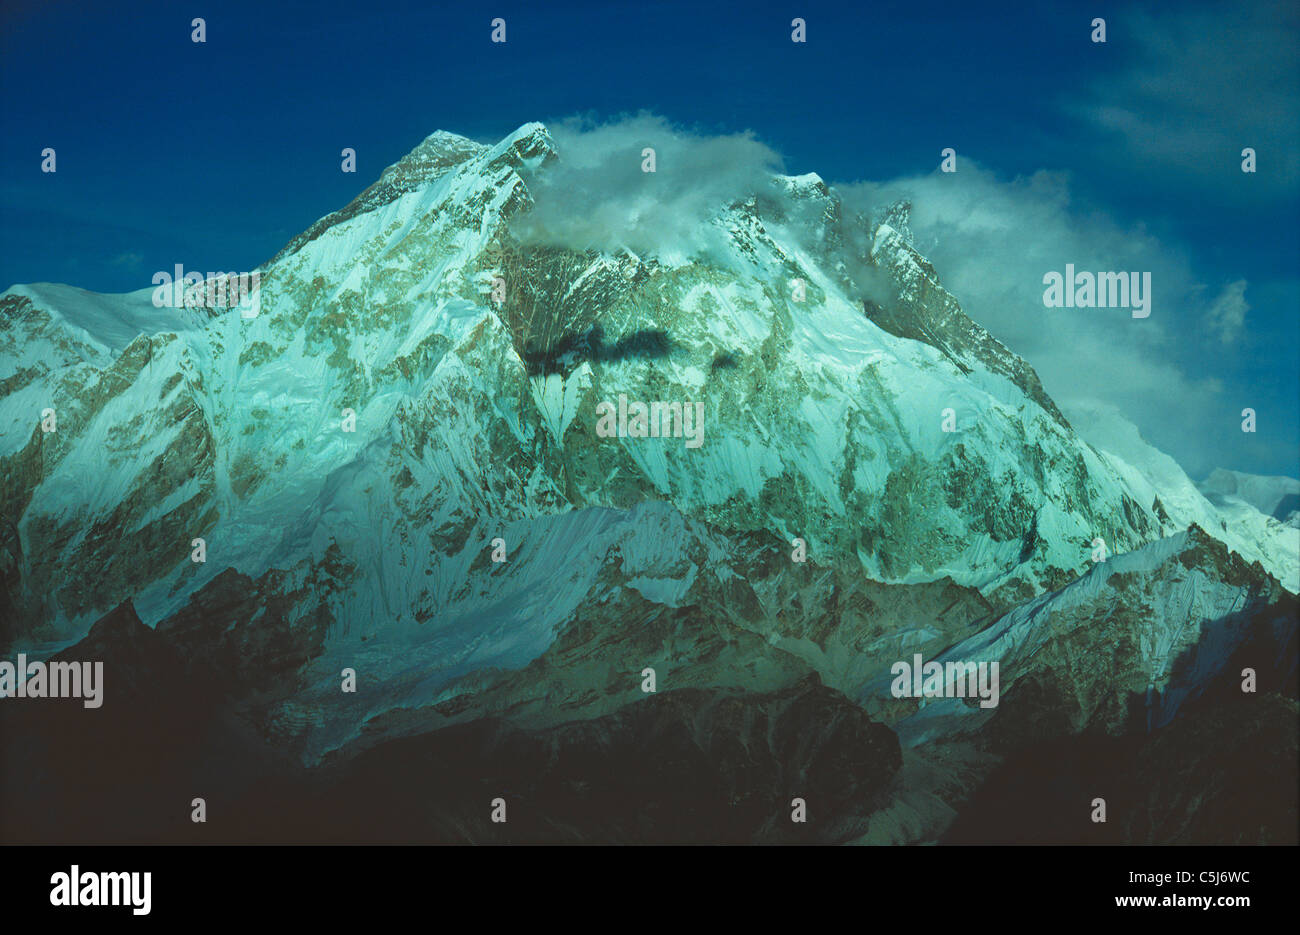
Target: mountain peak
{"x": 437, "y": 155}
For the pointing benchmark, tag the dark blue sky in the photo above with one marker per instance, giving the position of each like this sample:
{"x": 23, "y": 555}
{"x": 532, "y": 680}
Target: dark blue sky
{"x": 215, "y": 155}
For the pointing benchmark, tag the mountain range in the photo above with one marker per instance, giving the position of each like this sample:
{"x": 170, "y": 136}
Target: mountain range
{"x": 394, "y": 469}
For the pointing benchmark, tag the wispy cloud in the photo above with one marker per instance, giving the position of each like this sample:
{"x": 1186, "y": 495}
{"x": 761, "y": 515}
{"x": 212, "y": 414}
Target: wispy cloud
{"x": 598, "y": 196}
{"x": 992, "y": 241}
{"x": 1227, "y": 314}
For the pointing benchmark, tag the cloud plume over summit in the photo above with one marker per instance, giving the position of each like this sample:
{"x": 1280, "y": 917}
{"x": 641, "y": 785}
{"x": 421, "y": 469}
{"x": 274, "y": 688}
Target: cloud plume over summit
{"x": 597, "y": 196}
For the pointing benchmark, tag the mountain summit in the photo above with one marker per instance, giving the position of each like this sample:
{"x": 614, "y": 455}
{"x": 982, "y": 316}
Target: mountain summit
{"x": 396, "y": 468}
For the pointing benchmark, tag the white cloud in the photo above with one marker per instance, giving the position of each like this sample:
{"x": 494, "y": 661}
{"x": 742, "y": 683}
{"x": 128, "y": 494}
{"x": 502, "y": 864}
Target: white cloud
{"x": 992, "y": 241}
{"x": 596, "y": 195}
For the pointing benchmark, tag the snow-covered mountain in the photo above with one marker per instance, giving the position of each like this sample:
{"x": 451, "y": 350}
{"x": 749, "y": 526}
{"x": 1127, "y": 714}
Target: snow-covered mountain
{"x": 1228, "y": 504}
{"x": 941, "y": 501}
{"x": 1278, "y": 497}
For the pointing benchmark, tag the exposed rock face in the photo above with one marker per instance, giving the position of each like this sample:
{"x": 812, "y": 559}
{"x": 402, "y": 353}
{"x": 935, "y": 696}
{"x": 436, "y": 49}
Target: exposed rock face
{"x": 926, "y": 312}
{"x": 878, "y": 477}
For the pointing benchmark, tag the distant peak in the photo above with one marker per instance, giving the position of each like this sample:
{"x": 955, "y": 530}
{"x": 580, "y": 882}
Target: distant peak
{"x": 436, "y": 153}
{"x": 809, "y": 181}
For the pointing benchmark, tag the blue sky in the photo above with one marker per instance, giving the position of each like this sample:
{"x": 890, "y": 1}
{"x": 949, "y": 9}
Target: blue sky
{"x": 214, "y": 155}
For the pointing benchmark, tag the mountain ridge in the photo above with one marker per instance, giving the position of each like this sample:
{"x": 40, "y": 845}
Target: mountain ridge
{"x": 327, "y": 547}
